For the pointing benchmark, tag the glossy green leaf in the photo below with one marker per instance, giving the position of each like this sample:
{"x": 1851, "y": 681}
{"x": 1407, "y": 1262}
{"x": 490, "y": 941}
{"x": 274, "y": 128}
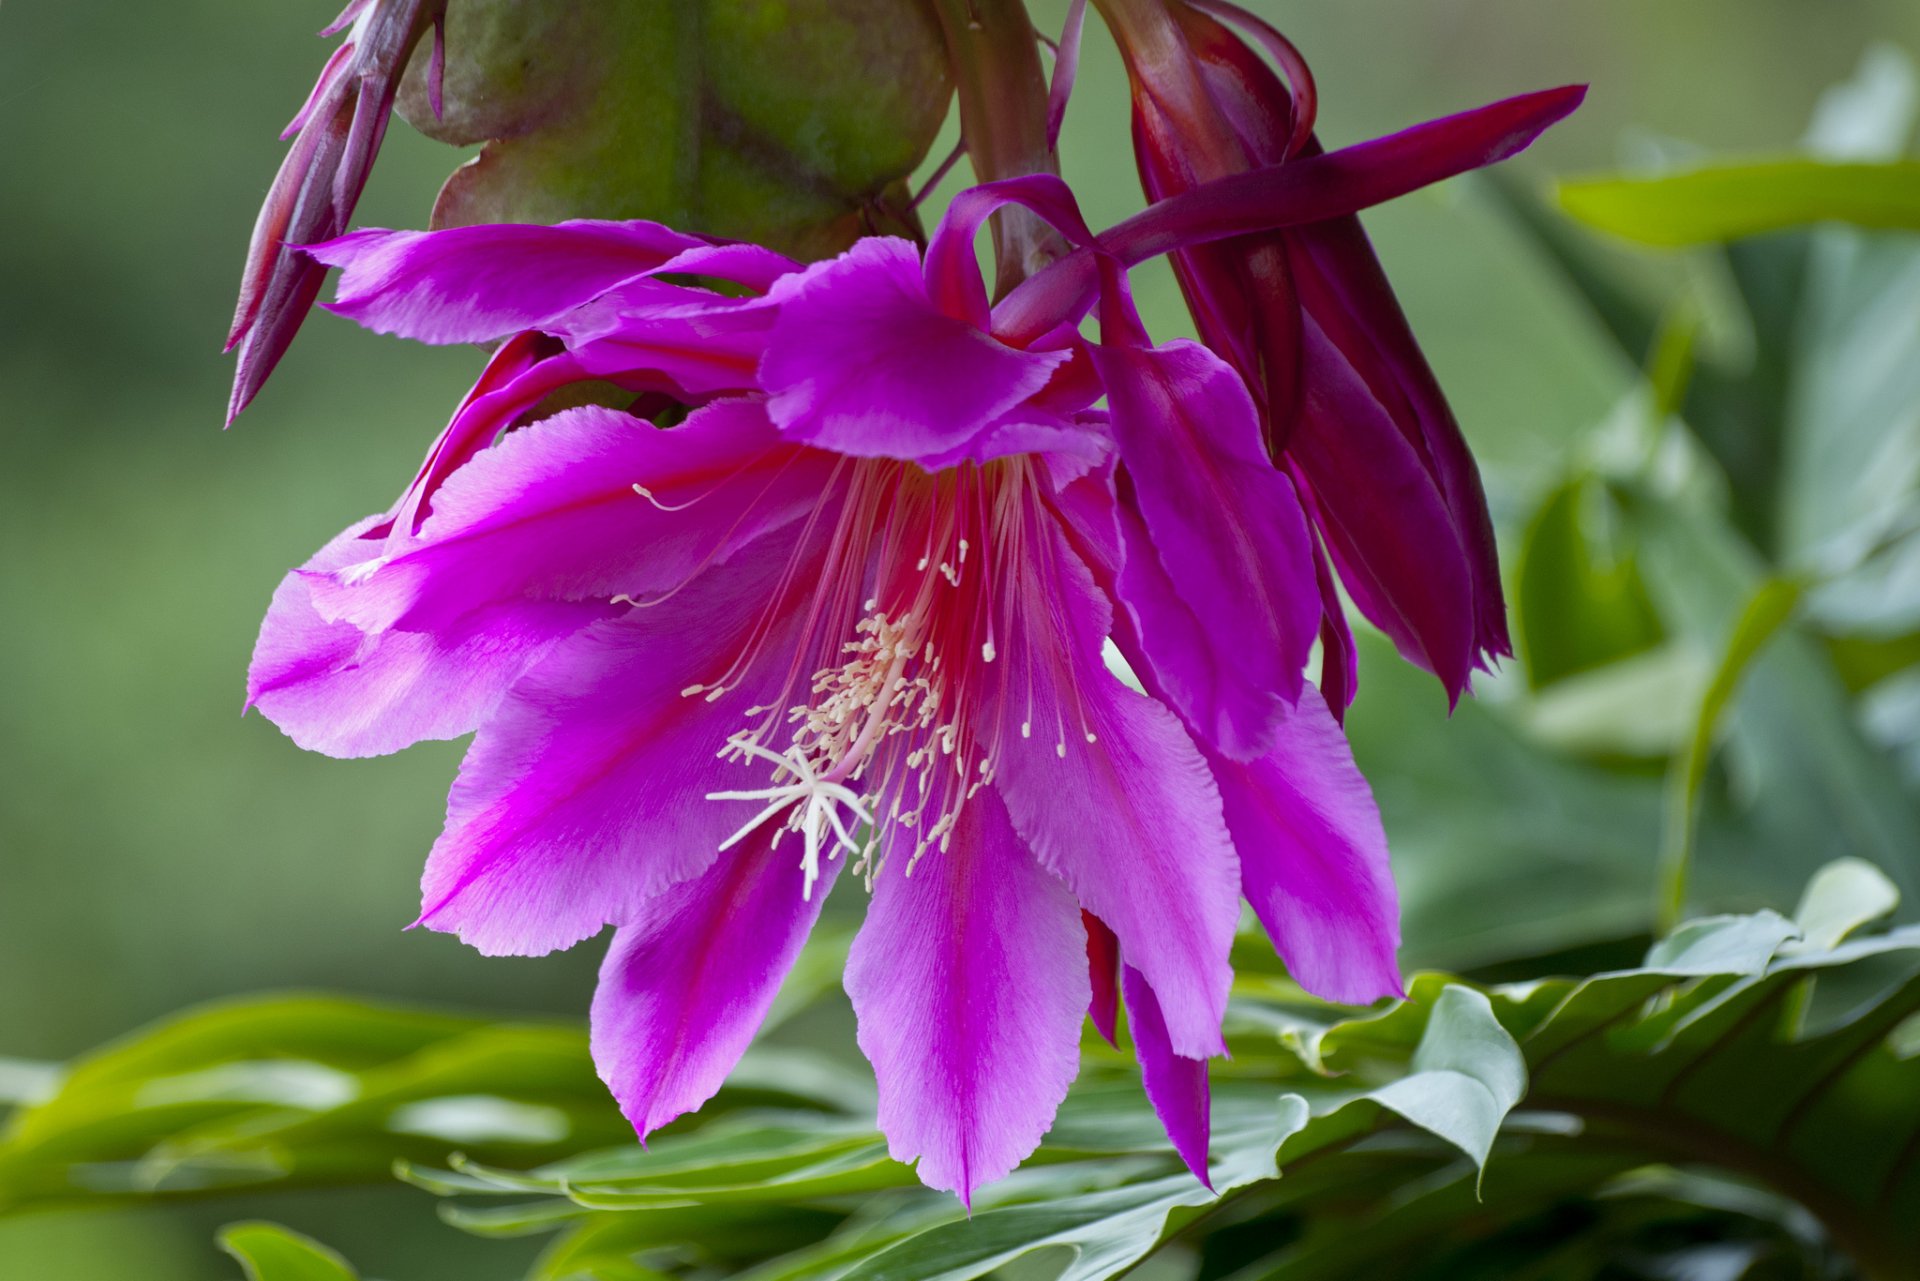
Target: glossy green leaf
{"x": 1729, "y": 202}
{"x": 269, "y": 1252}
{"x": 789, "y": 122}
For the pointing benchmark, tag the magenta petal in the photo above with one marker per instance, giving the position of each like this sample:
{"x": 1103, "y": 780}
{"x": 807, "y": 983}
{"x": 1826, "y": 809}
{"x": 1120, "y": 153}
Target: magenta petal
{"x": 1103, "y": 971}
{"x": 969, "y": 980}
{"x": 1229, "y": 533}
{"x": 1176, "y": 1086}
{"x": 1346, "y": 291}
{"x": 584, "y": 796}
{"x": 472, "y": 284}
{"x": 552, "y": 513}
{"x": 1339, "y": 656}
{"x": 690, "y": 977}
{"x": 1313, "y": 859}
{"x": 861, "y": 362}
{"x": 1130, "y": 818}
{"x": 332, "y": 689}
{"x": 1396, "y": 544}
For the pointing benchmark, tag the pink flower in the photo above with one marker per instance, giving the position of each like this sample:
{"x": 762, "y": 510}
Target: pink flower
{"x": 824, "y": 590}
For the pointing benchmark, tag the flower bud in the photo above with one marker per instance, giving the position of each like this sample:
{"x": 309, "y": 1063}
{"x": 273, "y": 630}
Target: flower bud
{"x": 1349, "y": 404}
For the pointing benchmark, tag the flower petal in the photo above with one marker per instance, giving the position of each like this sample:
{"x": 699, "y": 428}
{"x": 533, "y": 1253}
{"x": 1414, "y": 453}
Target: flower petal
{"x": 1228, "y": 530}
{"x": 1176, "y": 1086}
{"x": 1396, "y": 544}
{"x": 861, "y": 362}
{"x": 474, "y": 284}
{"x": 969, "y": 980}
{"x": 1313, "y": 859}
{"x": 552, "y": 513}
{"x": 1347, "y": 294}
{"x": 1131, "y": 820}
{"x": 333, "y": 689}
{"x": 584, "y": 796}
{"x": 690, "y": 977}
{"x": 1103, "y": 971}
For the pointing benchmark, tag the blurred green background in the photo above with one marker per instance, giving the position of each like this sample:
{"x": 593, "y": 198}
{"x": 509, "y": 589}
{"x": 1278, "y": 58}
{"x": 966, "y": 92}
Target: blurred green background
{"x": 157, "y": 849}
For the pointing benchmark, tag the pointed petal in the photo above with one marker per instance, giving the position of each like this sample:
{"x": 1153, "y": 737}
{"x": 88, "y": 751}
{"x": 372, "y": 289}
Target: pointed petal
{"x": 332, "y": 689}
{"x": 690, "y": 977}
{"x": 969, "y": 980}
{"x": 473, "y": 284}
{"x": 1397, "y": 546}
{"x": 1313, "y": 859}
{"x": 552, "y": 513}
{"x": 1339, "y": 656}
{"x": 1302, "y": 190}
{"x": 1316, "y": 188}
{"x": 1176, "y": 1086}
{"x": 1130, "y": 820}
{"x": 1228, "y": 531}
{"x": 584, "y": 796}
{"x": 861, "y": 362}
{"x": 1103, "y": 971}
{"x": 1346, "y": 291}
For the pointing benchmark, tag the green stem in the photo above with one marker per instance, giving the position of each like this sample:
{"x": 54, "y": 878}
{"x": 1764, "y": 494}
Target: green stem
{"x": 1003, "y": 119}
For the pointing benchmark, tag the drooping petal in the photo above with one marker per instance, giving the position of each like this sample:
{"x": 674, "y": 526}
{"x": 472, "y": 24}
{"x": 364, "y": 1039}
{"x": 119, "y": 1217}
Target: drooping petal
{"x": 1109, "y": 792}
{"x": 1339, "y": 656}
{"x": 690, "y": 977}
{"x": 1388, "y": 526}
{"x": 861, "y": 362}
{"x": 333, "y": 689}
{"x": 969, "y": 980}
{"x": 1347, "y": 292}
{"x": 1103, "y": 971}
{"x": 584, "y": 796}
{"x": 552, "y": 513}
{"x": 1227, "y": 528}
{"x": 473, "y": 284}
{"x": 1313, "y": 858}
{"x": 1176, "y": 1086}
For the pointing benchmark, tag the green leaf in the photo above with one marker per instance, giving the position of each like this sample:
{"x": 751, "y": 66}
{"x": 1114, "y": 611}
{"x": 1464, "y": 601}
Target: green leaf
{"x": 1771, "y": 605}
{"x": 300, "y": 1090}
{"x": 1578, "y": 600}
{"x": 1467, "y": 1075}
{"x": 789, "y": 122}
{"x": 1843, "y": 896}
{"x": 1503, "y": 848}
{"x": 269, "y": 1252}
{"x": 1729, "y": 202}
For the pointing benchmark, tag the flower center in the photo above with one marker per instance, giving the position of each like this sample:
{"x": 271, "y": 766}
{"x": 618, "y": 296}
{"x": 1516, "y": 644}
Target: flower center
{"x": 889, "y": 731}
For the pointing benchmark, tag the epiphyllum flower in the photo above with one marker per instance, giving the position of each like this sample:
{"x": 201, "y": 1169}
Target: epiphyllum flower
{"x": 847, "y": 617}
